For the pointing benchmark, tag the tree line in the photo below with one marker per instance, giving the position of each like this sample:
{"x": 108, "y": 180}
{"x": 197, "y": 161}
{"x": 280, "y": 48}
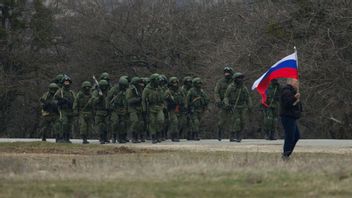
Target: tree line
{"x": 39, "y": 39}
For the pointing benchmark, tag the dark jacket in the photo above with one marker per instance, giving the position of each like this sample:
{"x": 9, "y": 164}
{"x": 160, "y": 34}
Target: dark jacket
{"x": 287, "y": 99}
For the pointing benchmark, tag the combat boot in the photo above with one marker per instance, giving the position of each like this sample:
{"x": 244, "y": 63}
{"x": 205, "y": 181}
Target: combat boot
{"x": 272, "y": 135}
{"x": 154, "y": 139}
{"x": 238, "y": 136}
{"x": 114, "y": 137}
{"x": 135, "y": 138}
{"x": 219, "y": 133}
{"x": 67, "y": 138}
{"x": 267, "y": 135}
{"x": 106, "y": 139}
{"x": 196, "y": 136}
{"x": 232, "y": 137}
{"x": 85, "y": 141}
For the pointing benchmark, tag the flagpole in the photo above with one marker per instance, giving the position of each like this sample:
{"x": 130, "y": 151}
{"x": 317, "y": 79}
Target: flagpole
{"x": 295, "y": 49}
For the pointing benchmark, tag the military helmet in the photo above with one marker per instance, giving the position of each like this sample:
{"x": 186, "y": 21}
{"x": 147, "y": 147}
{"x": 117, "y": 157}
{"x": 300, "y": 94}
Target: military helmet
{"x": 135, "y": 80}
{"x": 163, "y": 78}
{"x": 123, "y": 82}
{"x": 53, "y": 86}
{"x": 58, "y": 78}
{"x": 86, "y": 84}
{"x": 196, "y": 81}
{"x": 228, "y": 69}
{"x": 237, "y": 75}
{"x": 103, "y": 83}
{"x": 146, "y": 80}
{"x": 105, "y": 76}
{"x": 187, "y": 79}
{"x": 66, "y": 78}
{"x": 154, "y": 77}
{"x": 173, "y": 79}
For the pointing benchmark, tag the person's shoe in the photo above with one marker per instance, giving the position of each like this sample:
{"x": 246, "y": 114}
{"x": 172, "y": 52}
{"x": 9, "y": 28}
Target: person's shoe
{"x": 43, "y": 139}
{"x": 85, "y": 142}
{"x": 122, "y": 141}
{"x": 238, "y": 140}
{"x": 154, "y": 139}
{"x": 285, "y": 158}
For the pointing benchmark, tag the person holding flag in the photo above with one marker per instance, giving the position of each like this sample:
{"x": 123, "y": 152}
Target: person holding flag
{"x": 290, "y": 105}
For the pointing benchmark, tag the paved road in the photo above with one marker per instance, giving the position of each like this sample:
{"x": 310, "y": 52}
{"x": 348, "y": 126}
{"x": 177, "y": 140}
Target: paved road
{"x": 247, "y": 145}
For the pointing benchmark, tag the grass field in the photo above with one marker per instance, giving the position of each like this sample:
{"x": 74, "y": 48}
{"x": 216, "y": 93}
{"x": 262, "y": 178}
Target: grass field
{"x": 60, "y": 170}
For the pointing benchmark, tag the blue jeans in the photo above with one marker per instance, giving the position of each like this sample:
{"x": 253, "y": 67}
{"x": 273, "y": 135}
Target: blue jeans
{"x": 292, "y": 134}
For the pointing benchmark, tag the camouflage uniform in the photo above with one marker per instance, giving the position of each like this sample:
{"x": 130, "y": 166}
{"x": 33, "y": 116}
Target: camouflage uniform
{"x": 175, "y": 102}
{"x": 238, "y": 103}
{"x": 83, "y": 108}
{"x": 106, "y": 76}
{"x": 185, "y": 126}
{"x": 153, "y": 103}
{"x": 271, "y": 112}
{"x": 101, "y": 110}
{"x": 119, "y": 116}
{"x": 163, "y": 89}
{"x": 196, "y": 102}
{"x": 219, "y": 94}
{"x": 134, "y": 99}
{"x": 65, "y": 98}
{"x": 50, "y": 113}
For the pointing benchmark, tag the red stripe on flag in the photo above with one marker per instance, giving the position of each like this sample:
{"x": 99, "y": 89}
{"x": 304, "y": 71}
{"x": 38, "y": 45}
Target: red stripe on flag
{"x": 281, "y": 73}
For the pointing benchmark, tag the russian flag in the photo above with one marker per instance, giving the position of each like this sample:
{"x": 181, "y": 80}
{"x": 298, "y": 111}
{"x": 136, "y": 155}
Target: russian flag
{"x": 284, "y": 68}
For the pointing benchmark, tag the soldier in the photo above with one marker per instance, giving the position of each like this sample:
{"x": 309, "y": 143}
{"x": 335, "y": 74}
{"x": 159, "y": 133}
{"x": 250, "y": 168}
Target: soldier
{"x": 134, "y": 99}
{"x": 84, "y": 109}
{"x": 238, "y": 103}
{"x": 119, "y": 116}
{"x": 271, "y": 112}
{"x": 101, "y": 110}
{"x": 196, "y": 102}
{"x": 146, "y": 81}
{"x": 175, "y": 102}
{"x": 164, "y": 88}
{"x": 186, "y": 125}
{"x": 219, "y": 94}
{"x": 50, "y": 112}
{"x": 106, "y": 76}
{"x": 153, "y": 102}
{"x": 65, "y": 97}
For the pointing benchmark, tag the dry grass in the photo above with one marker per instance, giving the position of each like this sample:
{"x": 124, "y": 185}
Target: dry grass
{"x": 179, "y": 173}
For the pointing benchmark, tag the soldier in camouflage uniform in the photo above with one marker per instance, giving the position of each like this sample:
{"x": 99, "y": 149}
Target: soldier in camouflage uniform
{"x": 175, "y": 102}
{"x": 153, "y": 103}
{"x": 219, "y": 94}
{"x": 106, "y": 76}
{"x": 101, "y": 110}
{"x": 271, "y": 112}
{"x": 134, "y": 99}
{"x": 65, "y": 97}
{"x": 163, "y": 89}
{"x": 196, "y": 102}
{"x": 186, "y": 125}
{"x": 145, "y": 117}
{"x": 238, "y": 102}
{"x": 50, "y": 113}
{"x": 119, "y": 116}
{"x": 84, "y": 109}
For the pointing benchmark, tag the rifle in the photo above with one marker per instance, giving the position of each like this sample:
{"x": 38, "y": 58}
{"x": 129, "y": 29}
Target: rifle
{"x": 97, "y": 86}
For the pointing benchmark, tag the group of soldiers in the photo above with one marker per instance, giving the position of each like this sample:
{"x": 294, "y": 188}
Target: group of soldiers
{"x": 148, "y": 108}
